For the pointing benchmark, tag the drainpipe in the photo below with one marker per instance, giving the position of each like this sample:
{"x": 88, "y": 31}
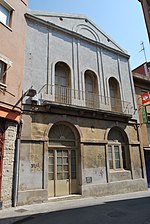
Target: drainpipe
{"x": 16, "y": 167}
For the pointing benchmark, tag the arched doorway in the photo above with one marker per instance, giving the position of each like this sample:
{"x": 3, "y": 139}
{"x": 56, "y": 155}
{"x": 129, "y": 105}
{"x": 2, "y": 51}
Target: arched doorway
{"x": 63, "y": 160}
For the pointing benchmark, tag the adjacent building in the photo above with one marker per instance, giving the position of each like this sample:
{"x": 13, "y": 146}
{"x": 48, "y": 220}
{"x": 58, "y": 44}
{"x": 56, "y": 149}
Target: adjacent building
{"x": 146, "y": 6}
{"x": 12, "y": 44}
{"x": 80, "y": 132}
{"x": 141, "y": 77}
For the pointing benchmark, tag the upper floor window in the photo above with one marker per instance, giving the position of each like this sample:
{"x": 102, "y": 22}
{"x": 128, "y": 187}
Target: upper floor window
{"x": 62, "y": 83}
{"x": 91, "y": 89}
{"x": 5, "y": 13}
{"x": 115, "y": 98}
{"x": 24, "y": 2}
{"x": 62, "y": 72}
{"x": 2, "y": 71}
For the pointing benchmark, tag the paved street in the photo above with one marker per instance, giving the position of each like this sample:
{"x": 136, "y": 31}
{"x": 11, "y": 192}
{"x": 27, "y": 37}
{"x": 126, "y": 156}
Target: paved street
{"x": 119, "y": 209}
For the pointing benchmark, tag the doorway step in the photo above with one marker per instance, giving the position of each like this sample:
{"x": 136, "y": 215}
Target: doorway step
{"x": 66, "y": 197}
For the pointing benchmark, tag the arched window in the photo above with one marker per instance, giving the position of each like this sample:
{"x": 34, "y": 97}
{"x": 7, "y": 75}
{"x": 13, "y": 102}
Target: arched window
{"x": 62, "y": 83}
{"x": 115, "y": 98}
{"x": 61, "y": 135}
{"x": 118, "y": 149}
{"x": 91, "y": 90}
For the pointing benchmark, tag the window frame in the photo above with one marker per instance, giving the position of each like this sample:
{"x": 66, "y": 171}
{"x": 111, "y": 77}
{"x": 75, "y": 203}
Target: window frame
{"x": 8, "y": 63}
{"x": 10, "y": 10}
{"x": 91, "y": 89}
{"x": 3, "y": 72}
{"x": 122, "y": 161}
{"x": 115, "y": 95}
{"x": 63, "y": 92}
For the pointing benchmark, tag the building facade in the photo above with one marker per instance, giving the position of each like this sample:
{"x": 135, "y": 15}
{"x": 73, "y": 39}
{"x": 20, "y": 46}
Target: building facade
{"x": 141, "y": 77}
{"x": 145, "y": 7}
{"x": 12, "y": 44}
{"x": 80, "y": 132}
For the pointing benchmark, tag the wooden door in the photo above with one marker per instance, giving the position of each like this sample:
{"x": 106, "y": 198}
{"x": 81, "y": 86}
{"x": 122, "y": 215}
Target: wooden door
{"x": 62, "y": 172}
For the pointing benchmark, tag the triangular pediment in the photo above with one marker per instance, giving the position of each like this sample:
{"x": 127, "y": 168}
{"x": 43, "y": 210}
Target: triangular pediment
{"x": 79, "y": 24}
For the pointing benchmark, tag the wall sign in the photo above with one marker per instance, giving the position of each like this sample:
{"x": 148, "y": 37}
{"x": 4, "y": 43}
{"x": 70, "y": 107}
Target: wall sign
{"x": 88, "y": 180}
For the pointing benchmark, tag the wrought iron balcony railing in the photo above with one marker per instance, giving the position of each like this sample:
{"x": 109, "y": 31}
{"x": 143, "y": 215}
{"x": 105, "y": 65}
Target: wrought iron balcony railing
{"x": 68, "y": 96}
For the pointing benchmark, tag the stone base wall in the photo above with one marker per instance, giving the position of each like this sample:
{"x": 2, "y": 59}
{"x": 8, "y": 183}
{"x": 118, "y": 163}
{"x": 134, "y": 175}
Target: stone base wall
{"x": 113, "y": 188}
{"x": 94, "y": 178}
{"x": 32, "y": 196}
{"x": 8, "y": 163}
{"x": 99, "y": 190}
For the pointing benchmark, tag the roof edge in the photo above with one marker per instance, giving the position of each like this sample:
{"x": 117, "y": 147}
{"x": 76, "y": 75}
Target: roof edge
{"x": 47, "y": 23}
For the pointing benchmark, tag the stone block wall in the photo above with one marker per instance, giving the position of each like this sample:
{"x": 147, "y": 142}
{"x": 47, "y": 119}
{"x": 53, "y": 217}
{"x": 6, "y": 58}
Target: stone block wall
{"x": 8, "y": 163}
{"x": 94, "y": 176}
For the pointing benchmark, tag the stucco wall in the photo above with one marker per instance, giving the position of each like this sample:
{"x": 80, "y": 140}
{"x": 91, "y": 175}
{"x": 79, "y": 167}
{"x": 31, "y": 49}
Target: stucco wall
{"x": 48, "y": 44}
{"x": 46, "y": 47}
{"x": 13, "y": 40}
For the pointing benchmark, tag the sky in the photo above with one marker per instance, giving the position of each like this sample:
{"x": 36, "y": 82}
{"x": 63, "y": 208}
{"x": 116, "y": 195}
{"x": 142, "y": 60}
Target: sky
{"x": 122, "y": 20}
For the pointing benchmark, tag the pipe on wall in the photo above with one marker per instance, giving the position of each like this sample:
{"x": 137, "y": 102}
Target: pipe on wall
{"x": 16, "y": 167}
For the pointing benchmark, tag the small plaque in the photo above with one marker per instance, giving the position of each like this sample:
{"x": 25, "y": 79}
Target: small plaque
{"x": 88, "y": 180}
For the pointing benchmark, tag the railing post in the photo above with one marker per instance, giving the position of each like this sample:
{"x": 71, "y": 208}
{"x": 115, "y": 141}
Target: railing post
{"x": 66, "y": 95}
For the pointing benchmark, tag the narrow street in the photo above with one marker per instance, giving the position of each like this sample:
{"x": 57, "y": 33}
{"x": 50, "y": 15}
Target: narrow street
{"x": 122, "y": 209}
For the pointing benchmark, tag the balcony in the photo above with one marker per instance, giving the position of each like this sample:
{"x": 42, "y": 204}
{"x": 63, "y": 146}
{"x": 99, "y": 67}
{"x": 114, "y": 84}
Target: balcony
{"x": 67, "y": 96}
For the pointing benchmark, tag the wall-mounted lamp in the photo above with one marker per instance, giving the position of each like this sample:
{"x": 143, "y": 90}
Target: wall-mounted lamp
{"x": 31, "y": 92}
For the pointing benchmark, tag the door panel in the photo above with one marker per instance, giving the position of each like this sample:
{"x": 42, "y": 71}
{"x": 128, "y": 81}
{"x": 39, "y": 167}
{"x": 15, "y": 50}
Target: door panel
{"x": 62, "y": 172}
{"x": 51, "y": 173}
{"x": 62, "y": 178}
{"x": 73, "y": 170}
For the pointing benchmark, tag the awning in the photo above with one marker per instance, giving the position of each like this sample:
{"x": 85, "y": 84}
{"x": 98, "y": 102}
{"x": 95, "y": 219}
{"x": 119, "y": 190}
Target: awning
{"x": 10, "y": 114}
